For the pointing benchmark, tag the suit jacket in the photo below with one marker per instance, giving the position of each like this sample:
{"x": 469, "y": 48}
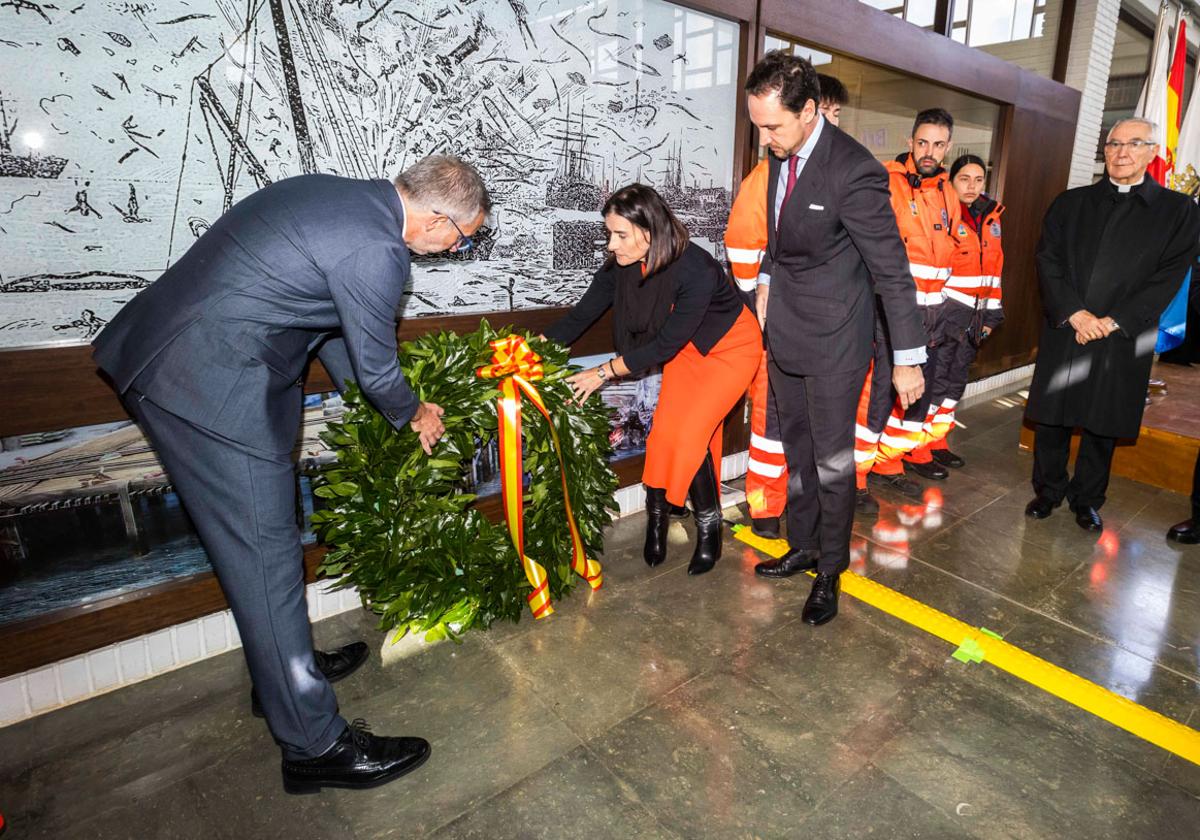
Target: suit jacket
{"x": 836, "y": 243}
{"x": 1120, "y": 258}
{"x": 313, "y": 263}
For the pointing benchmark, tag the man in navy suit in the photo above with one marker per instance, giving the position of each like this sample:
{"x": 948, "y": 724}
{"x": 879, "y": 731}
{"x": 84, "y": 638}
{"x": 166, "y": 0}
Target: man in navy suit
{"x": 209, "y": 361}
{"x": 832, "y": 246}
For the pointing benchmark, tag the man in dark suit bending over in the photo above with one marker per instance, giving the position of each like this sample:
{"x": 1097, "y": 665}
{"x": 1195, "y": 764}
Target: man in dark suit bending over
{"x": 832, "y": 245}
{"x": 209, "y": 360}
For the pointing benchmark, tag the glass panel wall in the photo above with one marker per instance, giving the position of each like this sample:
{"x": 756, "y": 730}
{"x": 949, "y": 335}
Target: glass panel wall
{"x": 1024, "y": 32}
{"x": 917, "y": 12}
{"x": 557, "y": 107}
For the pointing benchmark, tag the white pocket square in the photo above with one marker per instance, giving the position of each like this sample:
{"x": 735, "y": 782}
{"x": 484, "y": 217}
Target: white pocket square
{"x": 816, "y": 207}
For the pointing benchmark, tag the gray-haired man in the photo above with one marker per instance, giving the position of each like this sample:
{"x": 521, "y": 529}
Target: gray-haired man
{"x": 1111, "y": 257}
{"x": 208, "y": 360}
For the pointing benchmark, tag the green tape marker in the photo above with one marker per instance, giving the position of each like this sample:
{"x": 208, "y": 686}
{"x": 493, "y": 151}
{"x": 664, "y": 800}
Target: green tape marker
{"x": 968, "y": 651}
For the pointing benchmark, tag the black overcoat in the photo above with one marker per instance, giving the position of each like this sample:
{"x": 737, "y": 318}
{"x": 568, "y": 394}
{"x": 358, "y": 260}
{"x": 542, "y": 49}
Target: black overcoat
{"x": 1112, "y": 255}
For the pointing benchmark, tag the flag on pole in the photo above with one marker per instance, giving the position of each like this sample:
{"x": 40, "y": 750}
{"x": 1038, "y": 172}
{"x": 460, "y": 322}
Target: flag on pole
{"x": 1187, "y": 148}
{"x": 1172, "y": 326}
{"x": 1152, "y": 104}
{"x": 1175, "y": 96}
{"x": 1182, "y": 151}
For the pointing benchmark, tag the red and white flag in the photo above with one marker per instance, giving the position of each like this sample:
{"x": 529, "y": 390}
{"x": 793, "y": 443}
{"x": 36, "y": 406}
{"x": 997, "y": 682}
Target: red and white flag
{"x": 1153, "y": 103}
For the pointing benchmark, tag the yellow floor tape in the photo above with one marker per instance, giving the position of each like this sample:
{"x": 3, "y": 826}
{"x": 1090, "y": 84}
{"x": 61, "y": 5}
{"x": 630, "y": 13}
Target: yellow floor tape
{"x": 977, "y": 644}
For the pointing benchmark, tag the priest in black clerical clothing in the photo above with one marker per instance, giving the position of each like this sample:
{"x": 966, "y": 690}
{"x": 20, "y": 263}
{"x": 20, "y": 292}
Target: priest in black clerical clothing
{"x": 1111, "y": 257}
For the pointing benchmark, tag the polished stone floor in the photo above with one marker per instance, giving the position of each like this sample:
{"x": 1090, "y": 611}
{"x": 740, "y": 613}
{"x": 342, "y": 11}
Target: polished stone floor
{"x": 666, "y": 706}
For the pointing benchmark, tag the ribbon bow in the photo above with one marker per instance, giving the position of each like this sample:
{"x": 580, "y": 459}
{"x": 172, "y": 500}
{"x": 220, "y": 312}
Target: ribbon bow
{"x": 516, "y": 366}
{"x": 512, "y": 356}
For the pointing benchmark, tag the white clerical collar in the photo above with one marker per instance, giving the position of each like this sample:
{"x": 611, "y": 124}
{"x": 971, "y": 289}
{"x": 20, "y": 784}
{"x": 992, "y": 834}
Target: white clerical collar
{"x": 1124, "y": 188}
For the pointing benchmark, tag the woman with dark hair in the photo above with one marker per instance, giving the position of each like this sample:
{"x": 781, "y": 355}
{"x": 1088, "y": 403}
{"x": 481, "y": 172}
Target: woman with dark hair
{"x": 673, "y": 305}
{"x": 972, "y": 309}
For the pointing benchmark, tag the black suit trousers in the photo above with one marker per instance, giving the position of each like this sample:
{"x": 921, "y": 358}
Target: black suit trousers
{"x": 1052, "y": 450}
{"x": 243, "y": 504}
{"x": 816, "y": 425}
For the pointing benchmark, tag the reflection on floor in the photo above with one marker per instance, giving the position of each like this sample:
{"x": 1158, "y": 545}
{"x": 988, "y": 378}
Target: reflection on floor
{"x": 670, "y": 707}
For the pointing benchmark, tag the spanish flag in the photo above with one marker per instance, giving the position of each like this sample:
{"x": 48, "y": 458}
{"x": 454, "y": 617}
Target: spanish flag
{"x": 1152, "y": 105}
{"x": 1175, "y": 98}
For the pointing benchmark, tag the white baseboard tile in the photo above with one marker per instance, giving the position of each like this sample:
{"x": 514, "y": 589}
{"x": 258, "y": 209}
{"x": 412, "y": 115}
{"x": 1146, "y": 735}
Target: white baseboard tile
{"x": 31, "y": 693}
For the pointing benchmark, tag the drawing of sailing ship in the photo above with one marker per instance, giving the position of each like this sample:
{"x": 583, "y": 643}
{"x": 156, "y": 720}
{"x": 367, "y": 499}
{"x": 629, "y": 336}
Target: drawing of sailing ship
{"x": 573, "y": 185}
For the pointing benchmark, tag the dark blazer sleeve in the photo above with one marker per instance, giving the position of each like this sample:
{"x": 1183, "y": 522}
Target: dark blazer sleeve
{"x": 595, "y": 302}
{"x": 365, "y": 290}
{"x": 765, "y": 266}
{"x": 336, "y": 359}
{"x": 867, "y": 215}
{"x": 1144, "y": 306}
{"x": 694, "y": 288}
{"x": 1059, "y": 299}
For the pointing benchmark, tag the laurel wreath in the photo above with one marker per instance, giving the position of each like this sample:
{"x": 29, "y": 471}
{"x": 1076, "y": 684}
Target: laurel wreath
{"x": 402, "y": 527}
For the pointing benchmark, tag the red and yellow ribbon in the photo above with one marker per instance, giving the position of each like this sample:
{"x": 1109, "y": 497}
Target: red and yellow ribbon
{"x": 518, "y": 367}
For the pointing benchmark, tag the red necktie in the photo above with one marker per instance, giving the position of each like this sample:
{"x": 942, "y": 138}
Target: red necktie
{"x": 791, "y": 181}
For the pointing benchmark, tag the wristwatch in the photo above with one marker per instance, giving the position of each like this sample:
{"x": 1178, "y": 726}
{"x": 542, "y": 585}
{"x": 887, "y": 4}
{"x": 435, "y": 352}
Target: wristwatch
{"x": 600, "y": 372}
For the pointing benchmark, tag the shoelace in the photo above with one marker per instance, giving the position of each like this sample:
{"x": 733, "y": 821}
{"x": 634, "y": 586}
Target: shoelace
{"x": 360, "y": 732}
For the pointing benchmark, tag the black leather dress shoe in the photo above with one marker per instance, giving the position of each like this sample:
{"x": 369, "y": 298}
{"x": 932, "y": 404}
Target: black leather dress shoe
{"x": 766, "y": 527}
{"x": 931, "y": 470}
{"x": 795, "y": 561}
{"x": 335, "y": 665}
{"x": 865, "y": 502}
{"x": 1040, "y": 508}
{"x": 357, "y": 760}
{"x": 898, "y": 483}
{"x": 948, "y": 459}
{"x": 1187, "y": 531}
{"x": 822, "y": 603}
{"x": 1088, "y": 518}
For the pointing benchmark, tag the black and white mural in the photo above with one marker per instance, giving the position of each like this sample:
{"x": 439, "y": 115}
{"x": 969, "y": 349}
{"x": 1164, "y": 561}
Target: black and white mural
{"x": 128, "y": 126}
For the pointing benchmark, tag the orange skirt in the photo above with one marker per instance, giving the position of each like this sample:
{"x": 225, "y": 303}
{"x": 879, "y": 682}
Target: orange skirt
{"x": 697, "y": 392}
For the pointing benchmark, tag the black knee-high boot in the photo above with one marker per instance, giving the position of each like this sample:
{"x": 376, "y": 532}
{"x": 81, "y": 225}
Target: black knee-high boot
{"x": 658, "y": 518}
{"x": 707, "y": 507}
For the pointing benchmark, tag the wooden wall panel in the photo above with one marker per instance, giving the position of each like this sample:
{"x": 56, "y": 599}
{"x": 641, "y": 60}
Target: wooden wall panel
{"x": 1033, "y": 171}
{"x": 60, "y": 387}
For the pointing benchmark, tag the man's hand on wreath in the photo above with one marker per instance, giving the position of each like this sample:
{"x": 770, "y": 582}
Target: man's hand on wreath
{"x": 427, "y": 423}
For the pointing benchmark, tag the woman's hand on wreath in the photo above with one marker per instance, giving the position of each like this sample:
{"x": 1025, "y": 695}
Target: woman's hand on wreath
{"x": 584, "y": 383}
{"x": 427, "y": 423}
